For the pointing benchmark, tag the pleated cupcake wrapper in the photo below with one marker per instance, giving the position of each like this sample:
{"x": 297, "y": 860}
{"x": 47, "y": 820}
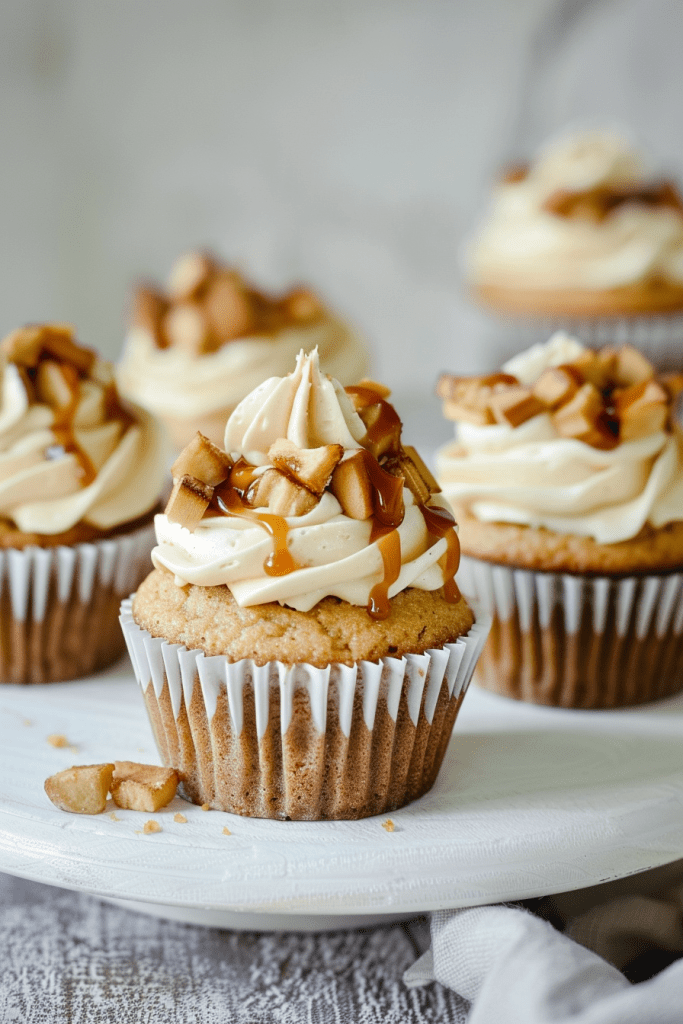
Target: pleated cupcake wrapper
{"x": 578, "y": 641}
{"x": 660, "y": 338}
{"x": 59, "y": 606}
{"x": 295, "y": 741}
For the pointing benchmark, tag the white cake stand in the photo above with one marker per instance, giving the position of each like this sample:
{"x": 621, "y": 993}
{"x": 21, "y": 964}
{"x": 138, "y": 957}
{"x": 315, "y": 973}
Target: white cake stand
{"x": 530, "y": 801}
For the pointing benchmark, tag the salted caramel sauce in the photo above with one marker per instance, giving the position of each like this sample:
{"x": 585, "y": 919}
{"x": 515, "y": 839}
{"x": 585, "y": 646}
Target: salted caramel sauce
{"x": 228, "y": 500}
{"x": 390, "y": 549}
{"x": 242, "y": 475}
{"x": 62, "y": 427}
{"x": 440, "y": 523}
{"x": 388, "y": 422}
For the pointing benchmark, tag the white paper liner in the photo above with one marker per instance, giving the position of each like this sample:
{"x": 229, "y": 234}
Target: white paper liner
{"x": 578, "y": 641}
{"x": 417, "y": 688}
{"x": 660, "y": 338}
{"x": 59, "y": 605}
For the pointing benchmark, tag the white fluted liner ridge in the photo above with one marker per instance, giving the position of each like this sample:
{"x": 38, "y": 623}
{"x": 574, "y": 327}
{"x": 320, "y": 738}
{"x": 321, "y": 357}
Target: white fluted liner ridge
{"x": 156, "y": 661}
{"x": 59, "y": 605}
{"x": 332, "y": 724}
{"x": 556, "y": 635}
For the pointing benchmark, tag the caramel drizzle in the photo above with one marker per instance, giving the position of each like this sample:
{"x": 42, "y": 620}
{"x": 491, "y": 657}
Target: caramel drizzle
{"x": 390, "y": 549}
{"x": 229, "y": 499}
{"x": 388, "y": 421}
{"x": 62, "y": 427}
{"x": 440, "y": 523}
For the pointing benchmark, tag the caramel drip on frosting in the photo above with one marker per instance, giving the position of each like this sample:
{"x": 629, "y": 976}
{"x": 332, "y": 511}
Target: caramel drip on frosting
{"x": 242, "y": 475}
{"x": 440, "y": 523}
{"x": 62, "y": 427}
{"x": 230, "y": 502}
{"x": 387, "y": 423}
{"x": 390, "y": 549}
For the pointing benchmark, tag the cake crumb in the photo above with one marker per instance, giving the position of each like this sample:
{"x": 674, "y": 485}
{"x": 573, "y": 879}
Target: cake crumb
{"x": 388, "y": 825}
{"x": 205, "y": 807}
{"x": 113, "y": 817}
{"x": 27, "y": 721}
{"x": 226, "y": 831}
{"x": 57, "y": 739}
{"x": 151, "y": 826}
{"x": 180, "y": 818}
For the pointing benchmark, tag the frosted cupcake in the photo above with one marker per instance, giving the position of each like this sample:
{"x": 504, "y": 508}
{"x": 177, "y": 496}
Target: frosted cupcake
{"x": 80, "y": 477}
{"x": 567, "y": 479}
{"x": 583, "y": 238}
{"x": 196, "y": 349}
{"x": 301, "y": 644}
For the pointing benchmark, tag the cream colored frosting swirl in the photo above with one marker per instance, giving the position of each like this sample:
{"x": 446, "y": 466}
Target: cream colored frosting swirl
{"x": 172, "y": 382}
{"x": 531, "y": 476}
{"x": 333, "y": 552}
{"x": 522, "y": 245}
{"x": 41, "y": 485}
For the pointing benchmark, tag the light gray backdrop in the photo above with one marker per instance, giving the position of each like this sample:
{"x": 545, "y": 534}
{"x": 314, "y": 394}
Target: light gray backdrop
{"x": 350, "y": 143}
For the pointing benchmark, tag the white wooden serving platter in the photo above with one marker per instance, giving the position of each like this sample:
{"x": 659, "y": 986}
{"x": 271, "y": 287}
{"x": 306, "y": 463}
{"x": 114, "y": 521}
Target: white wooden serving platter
{"x": 530, "y": 801}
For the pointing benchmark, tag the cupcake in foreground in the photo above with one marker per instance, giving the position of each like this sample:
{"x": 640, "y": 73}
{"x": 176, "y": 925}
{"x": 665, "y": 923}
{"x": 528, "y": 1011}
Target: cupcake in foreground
{"x": 196, "y": 349}
{"x": 301, "y": 644}
{"x": 80, "y": 477}
{"x": 566, "y": 476}
{"x": 584, "y": 239}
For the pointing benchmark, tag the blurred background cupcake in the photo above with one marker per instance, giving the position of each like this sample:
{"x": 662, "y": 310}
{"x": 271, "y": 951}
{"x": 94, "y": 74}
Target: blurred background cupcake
{"x": 301, "y": 644}
{"x": 566, "y": 476}
{"x": 197, "y": 348}
{"x": 80, "y": 476}
{"x": 584, "y": 238}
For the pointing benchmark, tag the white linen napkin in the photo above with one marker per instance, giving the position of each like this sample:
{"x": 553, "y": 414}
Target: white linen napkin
{"x": 515, "y": 968}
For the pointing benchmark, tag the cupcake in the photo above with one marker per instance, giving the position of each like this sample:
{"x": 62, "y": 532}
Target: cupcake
{"x": 301, "y": 644}
{"x": 195, "y": 350}
{"x": 583, "y": 239}
{"x": 80, "y": 476}
{"x": 566, "y": 475}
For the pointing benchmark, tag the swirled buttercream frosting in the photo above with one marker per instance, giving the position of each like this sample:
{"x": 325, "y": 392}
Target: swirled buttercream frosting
{"x": 576, "y": 441}
{"x": 209, "y": 338}
{"x": 70, "y": 451}
{"x": 314, "y": 495}
{"x": 582, "y": 216}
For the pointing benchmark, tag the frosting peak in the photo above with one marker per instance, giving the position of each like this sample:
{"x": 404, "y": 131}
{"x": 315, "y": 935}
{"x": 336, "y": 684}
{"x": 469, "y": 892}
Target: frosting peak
{"x": 315, "y": 496}
{"x": 304, "y": 407}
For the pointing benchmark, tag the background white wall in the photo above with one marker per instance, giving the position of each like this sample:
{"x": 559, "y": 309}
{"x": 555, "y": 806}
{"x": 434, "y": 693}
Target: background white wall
{"x": 350, "y": 144}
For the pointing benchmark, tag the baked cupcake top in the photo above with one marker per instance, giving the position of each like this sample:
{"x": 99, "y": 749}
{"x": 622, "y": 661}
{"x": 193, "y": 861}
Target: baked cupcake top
{"x": 315, "y": 495}
{"x": 567, "y": 438}
{"x": 70, "y": 451}
{"x": 582, "y": 217}
{"x": 210, "y": 337}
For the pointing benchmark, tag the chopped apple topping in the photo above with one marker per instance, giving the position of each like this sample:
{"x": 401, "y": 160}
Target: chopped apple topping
{"x": 352, "y": 488}
{"x": 601, "y": 397}
{"x": 281, "y": 495}
{"x": 188, "y": 502}
{"x": 204, "y": 461}
{"x": 82, "y": 789}
{"x": 310, "y": 467}
{"x": 142, "y": 787}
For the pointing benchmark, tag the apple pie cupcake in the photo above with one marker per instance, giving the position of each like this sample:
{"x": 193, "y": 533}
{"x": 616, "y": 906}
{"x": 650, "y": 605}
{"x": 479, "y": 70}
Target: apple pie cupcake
{"x": 80, "y": 477}
{"x": 301, "y": 644}
{"x": 196, "y": 348}
{"x": 566, "y": 475}
{"x": 586, "y": 240}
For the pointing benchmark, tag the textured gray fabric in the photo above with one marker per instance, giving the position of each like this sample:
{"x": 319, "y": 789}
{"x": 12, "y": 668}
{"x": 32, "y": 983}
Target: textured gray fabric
{"x": 66, "y": 957}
